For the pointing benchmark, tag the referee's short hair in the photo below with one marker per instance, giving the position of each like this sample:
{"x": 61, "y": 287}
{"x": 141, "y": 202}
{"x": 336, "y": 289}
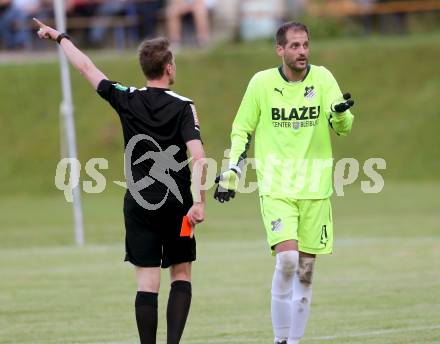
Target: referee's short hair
{"x": 154, "y": 55}
{"x": 280, "y": 36}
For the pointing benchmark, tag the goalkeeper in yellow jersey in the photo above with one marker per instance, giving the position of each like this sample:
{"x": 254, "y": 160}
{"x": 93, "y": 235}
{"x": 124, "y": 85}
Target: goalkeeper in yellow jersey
{"x": 292, "y": 110}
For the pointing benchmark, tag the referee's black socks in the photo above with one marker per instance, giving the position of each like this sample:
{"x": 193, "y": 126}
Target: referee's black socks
{"x": 179, "y": 302}
{"x": 146, "y": 316}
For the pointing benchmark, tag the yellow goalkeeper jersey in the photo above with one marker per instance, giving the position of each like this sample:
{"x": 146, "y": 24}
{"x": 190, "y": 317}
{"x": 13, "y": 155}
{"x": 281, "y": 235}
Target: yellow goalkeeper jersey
{"x": 292, "y": 122}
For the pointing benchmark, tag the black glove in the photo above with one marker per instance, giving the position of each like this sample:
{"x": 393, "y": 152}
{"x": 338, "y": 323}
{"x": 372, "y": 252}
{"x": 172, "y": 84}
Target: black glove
{"x": 227, "y": 185}
{"x": 345, "y": 105}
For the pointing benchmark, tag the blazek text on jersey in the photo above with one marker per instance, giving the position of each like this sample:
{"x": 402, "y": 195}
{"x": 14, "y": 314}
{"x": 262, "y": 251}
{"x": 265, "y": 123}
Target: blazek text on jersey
{"x": 304, "y": 113}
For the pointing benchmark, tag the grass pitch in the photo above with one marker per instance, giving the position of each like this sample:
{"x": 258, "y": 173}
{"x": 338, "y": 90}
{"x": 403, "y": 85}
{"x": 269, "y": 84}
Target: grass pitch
{"x": 380, "y": 286}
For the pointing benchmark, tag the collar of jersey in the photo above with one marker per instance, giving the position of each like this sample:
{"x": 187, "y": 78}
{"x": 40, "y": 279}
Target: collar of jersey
{"x": 158, "y": 88}
{"x": 280, "y": 70}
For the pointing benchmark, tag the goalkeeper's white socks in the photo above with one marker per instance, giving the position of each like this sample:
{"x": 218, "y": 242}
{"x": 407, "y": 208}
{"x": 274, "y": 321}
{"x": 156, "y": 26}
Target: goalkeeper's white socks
{"x": 293, "y": 341}
{"x": 302, "y": 297}
{"x": 282, "y": 285}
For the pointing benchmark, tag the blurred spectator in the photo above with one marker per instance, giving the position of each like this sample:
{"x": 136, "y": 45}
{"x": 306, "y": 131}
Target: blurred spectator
{"x": 148, "y": 11}
{"x": 81, "y": 8}
{"x": 104, "y": 12}
{"x": 4, "y": 4}
{"x": 14, "y": 29}
{"x": 292, "y": 9}
{"x": 200, "y": 11}
{"x": 393, "y": 22}
{"x": 367, "y": 20}
{"x": 388, "y": 23}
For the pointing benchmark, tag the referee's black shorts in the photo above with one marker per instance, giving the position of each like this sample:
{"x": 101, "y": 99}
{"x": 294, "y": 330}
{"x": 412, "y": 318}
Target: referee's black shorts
{"x": 152, "y": 237}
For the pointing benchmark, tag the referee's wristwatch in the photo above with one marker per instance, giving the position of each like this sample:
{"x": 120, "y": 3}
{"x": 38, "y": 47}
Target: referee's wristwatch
{"x": 61, "y": 36}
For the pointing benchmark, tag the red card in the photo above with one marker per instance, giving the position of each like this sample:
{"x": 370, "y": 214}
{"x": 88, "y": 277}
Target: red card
{"x": 186, "y": 229}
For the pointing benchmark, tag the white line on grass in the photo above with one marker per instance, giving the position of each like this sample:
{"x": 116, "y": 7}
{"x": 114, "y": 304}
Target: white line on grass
{"x": 118, "y": 246}
{"x": 319, "y": 338}
{"x": 376, "y": 333}
{"x": 325, "y": 338}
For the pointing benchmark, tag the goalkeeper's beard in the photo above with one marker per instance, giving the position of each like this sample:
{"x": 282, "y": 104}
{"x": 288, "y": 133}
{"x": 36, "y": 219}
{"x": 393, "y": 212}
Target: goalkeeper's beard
{"x": 292, "y": 65}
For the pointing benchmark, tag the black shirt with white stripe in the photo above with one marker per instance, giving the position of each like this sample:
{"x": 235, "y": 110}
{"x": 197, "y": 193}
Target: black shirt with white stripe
{"x": 168, "y": 118}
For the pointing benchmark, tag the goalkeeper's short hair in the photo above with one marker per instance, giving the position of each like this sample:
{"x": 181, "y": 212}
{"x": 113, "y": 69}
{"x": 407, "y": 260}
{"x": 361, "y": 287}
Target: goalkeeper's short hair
{"x": 280, "y": 36}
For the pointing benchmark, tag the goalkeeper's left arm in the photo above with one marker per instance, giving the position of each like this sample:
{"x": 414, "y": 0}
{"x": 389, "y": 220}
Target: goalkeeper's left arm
{"x": 243, "y": 127}
{"x": 341, "y": 118}
{"x": 337, "y": 106}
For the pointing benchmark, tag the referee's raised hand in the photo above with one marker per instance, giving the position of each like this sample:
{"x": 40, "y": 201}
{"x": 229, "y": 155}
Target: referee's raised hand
{"x": 46, "y": 32}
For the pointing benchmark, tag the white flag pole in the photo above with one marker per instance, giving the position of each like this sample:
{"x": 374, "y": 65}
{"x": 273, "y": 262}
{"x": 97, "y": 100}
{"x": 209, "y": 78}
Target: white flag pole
{"x": 66, "y": 110}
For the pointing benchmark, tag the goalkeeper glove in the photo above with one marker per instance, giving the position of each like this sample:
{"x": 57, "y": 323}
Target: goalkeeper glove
{"x": 343, "y": 106}
{"x": 227, "y": 184}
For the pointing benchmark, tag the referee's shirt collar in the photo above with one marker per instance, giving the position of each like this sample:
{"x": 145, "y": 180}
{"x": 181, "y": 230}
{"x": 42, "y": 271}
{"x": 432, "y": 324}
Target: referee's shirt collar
{"x": 280, "y": 70}
{"x": 158, "y": 88}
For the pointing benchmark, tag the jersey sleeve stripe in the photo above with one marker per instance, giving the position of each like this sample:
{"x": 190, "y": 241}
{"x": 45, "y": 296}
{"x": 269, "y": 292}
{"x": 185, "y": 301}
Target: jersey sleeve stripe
{"x": 243, "y": 155}
{"x": 171, "y": 93}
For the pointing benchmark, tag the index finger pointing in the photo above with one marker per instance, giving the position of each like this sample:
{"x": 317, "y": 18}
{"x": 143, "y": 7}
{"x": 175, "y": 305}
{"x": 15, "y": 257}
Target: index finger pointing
{"x": 40, "y": 24}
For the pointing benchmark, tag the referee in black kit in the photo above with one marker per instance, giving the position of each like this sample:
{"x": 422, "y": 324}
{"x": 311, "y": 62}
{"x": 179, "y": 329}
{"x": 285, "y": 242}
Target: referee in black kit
{"x": 159, "y": 126}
